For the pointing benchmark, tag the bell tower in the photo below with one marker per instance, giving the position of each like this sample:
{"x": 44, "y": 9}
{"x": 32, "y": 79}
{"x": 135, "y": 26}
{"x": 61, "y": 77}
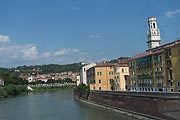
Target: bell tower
{"x": 153, "y": 34}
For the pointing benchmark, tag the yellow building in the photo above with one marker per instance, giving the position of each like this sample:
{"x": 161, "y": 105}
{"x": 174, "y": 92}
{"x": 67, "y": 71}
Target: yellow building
{"x": 101, "y": 77}
{"x": 121, "y": 78}
{"x": 158, "y": 69}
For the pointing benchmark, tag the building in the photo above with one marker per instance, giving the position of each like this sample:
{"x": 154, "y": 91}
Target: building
{"x": 77, "y": 80}
{"x": 1, "y": 82}
{"x": 158, "y": 68}
{"x": 83, "y": 74}
{"x": 101, "y": 77}
{"x": 121, "y": 75}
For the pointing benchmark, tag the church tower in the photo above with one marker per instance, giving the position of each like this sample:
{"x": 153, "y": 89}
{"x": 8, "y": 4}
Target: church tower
{"x": 153, "y": 35}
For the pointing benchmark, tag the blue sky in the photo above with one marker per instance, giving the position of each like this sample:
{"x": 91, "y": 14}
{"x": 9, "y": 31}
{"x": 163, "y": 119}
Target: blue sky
{"x": 67, "y": 31}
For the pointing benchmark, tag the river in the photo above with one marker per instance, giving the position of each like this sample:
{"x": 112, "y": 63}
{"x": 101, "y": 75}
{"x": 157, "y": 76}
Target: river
{"x": 52, "y": 105}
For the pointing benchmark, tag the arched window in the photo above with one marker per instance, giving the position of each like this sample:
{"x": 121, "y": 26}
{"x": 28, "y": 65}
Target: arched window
{"x": 154, "y": 26}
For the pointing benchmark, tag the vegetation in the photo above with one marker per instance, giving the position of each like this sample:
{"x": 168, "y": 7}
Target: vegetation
{"x": 116, "y": 60}
{"x": 52, "y": 87}
{"x": 52, "y": 81}
{"x": 11, "y": 90}
{"x": 13, "y": 85}
{"x": 51, "y": 68}
{"x": 12, "y": 79}
{"x": 41, "y": 69}
{"x": 82, "y": 87}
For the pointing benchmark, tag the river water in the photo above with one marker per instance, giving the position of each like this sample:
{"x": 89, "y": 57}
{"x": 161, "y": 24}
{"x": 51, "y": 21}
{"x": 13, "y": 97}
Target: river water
{"x": 52, "y": 105}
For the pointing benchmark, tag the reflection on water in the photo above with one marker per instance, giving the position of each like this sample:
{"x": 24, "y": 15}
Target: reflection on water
{"x": 52, "y": 105}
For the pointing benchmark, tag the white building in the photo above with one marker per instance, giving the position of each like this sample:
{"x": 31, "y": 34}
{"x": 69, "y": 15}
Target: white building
{"x": 30, "y": 79}
{"x": 153, "y": 34}
{"x": 83, "y": 74}
{"x": 1, "y": 82}
{"x": 77, "y": 80}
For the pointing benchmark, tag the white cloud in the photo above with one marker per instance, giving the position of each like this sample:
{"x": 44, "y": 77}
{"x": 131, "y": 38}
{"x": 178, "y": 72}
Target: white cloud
{"x": 17, "y": 53}
{"x": 66, "y": 51}
{"x": 69, "y": 55}
{"x": 4, "y": 38}
{"x": 30, "y": 52}
{"x": 46, "y": 54}
{"x": 173, "y": 13}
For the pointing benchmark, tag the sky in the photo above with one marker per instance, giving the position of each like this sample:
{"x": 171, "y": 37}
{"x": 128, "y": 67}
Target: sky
{"x": 36, "y": 32}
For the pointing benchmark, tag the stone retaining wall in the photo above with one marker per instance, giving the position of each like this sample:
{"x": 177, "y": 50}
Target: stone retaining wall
{"x": 161, "y": 105}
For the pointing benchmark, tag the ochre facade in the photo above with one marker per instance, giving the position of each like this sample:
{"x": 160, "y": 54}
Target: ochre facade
{"x": 101, "y": 77}
{"x": 156, "y": 70}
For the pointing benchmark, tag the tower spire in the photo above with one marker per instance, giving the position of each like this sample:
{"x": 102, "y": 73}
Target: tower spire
{"x": 153, "y": 36}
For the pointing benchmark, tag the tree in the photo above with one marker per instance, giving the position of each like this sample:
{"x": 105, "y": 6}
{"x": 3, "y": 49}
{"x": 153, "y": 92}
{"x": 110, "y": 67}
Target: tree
{"x": 11, "y": 89}
{"x": 50, "y": 81}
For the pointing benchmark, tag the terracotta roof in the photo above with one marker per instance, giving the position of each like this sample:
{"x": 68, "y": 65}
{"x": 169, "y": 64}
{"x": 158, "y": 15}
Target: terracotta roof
{"x": 165, "y": 45}
{"x": 122, "y": 65}
{"x": 145, "y": 54}
{"x": 156, "y": 50}
{"x": 105, "y": 64}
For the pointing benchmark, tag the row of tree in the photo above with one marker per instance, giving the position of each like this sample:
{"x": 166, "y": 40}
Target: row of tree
{"x": 52, "y": 81}
{"x": 12, "y": 79}
{"x": 11, "y": 90}
{"x": 51, "y": 68}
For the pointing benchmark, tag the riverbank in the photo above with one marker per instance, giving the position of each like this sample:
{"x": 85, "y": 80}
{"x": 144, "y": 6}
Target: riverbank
{"x": 41, "y": 87}
{"x": 13, "y": 90}
{"x": 140, "y": 105}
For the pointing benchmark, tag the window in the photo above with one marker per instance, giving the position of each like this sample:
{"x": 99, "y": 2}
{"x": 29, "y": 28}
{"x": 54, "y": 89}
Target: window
{"x": 156, "y": 69}
{"x": 99, "y": 88}
{"x": 122, "y": 70}
{"x": 154, "y": 26}
{"x": 111, "y": 81}
{"x": 111, "y": 73}
{"x": 92, "y": 82}
{"x": 126, "y": 87}
{"x": 99, "y": 81}
{"x": 94, "y": 88}
{"x": 160, "y": 59}
{"x": 84, "y": 69}
{"x": 126, "y": 77}
{"x": 178, "y": 84}
{"x": 99, "y": 73}
{"x": 161, "y": 69}
{"x": 171, "y": 83}
{"x": 168, "y": 53}
{"x": 172, "y": 90}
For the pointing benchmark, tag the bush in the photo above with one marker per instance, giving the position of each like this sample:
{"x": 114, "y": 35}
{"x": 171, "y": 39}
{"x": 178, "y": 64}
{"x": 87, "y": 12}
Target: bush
{"x": 82, "y": 87}
{"x": 11, "y": 89}
{"x": 21, "y": 89}
{"x": 3, "y": 93}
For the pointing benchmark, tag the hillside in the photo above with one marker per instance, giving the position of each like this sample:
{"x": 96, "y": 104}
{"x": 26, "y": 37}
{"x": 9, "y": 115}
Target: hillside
{"x": 43, "y": 69}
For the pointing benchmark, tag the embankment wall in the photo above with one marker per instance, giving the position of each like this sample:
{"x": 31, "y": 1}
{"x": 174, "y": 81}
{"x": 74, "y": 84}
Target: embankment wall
{"x": 157, "y": 105}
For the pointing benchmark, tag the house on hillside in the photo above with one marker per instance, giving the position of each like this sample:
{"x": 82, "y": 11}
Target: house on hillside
{"x": 1, "y": 82}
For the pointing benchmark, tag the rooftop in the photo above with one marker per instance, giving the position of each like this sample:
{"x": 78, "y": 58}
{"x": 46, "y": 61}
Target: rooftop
{"x": 156, "y": 50}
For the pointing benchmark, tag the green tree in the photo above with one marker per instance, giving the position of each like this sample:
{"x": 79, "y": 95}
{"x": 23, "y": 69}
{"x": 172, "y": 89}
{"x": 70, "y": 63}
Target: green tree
{"x": 11, "y": 89}
{"x": 21, "y": 89}
{"x": 50, "y": 81}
